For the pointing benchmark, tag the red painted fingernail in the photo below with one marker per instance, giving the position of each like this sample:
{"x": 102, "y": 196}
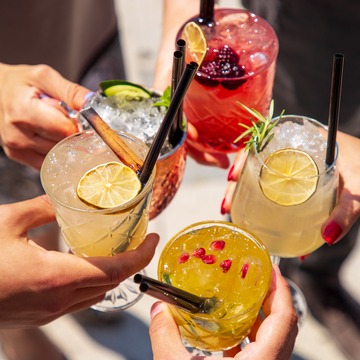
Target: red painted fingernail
{"x": 230, "y": 177}
{"x": 332, "y": 232}
{"x": 223, "y": 207}
{"x": 303, "y": 257}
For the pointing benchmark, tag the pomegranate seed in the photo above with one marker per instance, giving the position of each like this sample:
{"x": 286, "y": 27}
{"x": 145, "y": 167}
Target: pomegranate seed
{"x": 183, "y": 258}
{"x": 244, "y": 270}
{"x": 209, "y": 259}
{"x": 226, "y": 264}
{"x": 199, "y": 252}
{"x": 218, "y": 245}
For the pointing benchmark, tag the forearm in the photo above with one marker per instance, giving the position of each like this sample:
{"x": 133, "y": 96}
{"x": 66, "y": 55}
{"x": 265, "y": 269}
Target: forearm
{"x": 175, "y": 14}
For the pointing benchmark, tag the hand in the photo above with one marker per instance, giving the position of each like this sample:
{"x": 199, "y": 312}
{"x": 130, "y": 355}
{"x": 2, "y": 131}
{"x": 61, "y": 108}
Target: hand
{"x": 205, "y": 158}
{"x": 38, "y": 286}
{"x": 347, "y": 209}
{"x": 271, "y": 339}
{"x": 29, "y": 126}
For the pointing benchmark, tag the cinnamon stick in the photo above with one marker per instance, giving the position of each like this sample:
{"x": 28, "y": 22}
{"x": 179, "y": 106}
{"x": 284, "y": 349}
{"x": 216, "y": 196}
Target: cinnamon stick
{"x": 121, "y": 150}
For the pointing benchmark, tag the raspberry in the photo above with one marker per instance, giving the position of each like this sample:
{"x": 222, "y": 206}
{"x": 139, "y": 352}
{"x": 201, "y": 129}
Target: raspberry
{"x": 226, "y": 55}
{"x": 226, "y": 264}
{"x": 198, "y": 253}
{"x": 209, "y": 259}
{"x": 218, "y": 245}
{"x": 183, "y": 258}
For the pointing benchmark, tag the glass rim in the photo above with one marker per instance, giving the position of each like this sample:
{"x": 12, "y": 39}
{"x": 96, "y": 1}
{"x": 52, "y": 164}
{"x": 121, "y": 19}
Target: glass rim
{"x": 261, "y": 69}
{"x": 123, "y": 207}
{"x": 327, "y": 168}
{"x": 159, "y": 93}
{"x": 243, "y": 231}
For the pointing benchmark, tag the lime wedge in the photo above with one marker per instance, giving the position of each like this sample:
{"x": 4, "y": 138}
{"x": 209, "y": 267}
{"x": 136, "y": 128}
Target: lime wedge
{"x": 125, "y": 88}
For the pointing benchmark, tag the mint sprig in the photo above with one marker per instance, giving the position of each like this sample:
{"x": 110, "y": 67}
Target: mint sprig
{"x": 260, "y": 130}
{"x": 165, "y": 98}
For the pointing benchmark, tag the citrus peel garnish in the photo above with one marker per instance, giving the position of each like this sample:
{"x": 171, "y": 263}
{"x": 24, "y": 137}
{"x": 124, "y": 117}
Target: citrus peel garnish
{"x": 289, "y": 177}
{"x": 108, "y": 185}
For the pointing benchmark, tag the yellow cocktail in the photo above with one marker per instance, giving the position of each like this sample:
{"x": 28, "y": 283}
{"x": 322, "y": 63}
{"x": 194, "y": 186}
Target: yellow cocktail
{"x": 90, "y": 231}
{"x": 221, "y": 260}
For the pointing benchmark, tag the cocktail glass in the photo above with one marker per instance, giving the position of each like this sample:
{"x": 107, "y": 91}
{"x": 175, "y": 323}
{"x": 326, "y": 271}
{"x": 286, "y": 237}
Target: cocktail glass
{"x": 89, "y": 231}
{"x": 239, "y": 66}
{"x": 144, "y": 123}
{"x": 287, "y": 230}
{"x": 217, "y": 259}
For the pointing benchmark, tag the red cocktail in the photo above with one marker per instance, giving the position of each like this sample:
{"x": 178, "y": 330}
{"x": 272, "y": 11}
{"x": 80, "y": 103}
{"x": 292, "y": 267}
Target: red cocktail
{"x": 239, "y": 65}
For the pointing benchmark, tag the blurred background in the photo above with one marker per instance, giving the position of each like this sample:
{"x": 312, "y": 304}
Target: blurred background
{"x": 199, "y": 198}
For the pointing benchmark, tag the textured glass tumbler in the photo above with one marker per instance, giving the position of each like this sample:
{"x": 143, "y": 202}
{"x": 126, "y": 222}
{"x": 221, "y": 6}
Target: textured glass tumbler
{"x": 89, "y": 231}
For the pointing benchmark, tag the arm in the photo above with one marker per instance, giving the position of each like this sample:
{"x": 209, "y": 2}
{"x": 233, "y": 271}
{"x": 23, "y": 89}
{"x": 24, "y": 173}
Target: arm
{"x": 29, "y": 126}
{"x": 38, "y": 286}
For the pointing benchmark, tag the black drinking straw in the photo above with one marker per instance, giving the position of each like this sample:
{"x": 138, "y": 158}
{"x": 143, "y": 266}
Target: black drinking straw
{"x": 169, "y": 117}
{"x": 206, "y": 15}
{"x": 177, "y": 70}
{"x": 174, "y": 296}
{"x": 334, "y": 109}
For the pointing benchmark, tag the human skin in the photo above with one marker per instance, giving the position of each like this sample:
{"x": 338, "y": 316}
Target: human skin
{"x": 270, "y": 339}
{"x": 38, "y": 286}
{"x": 347, "y": 209}
{"x": 175, "y": 14}
{"x": 31, "y": 126}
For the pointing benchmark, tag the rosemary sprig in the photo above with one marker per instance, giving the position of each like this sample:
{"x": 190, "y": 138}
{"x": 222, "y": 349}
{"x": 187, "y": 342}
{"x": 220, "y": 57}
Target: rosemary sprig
{"x": 260, "y": 130}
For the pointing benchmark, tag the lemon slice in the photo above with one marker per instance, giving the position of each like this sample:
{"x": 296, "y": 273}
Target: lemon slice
{"x": 108, "y": 185}
{"x": 290, "y": 177}
{"x": 195, "y": 41}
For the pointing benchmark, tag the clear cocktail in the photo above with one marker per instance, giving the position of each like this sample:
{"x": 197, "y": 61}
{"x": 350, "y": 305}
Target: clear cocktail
{"x": 221, "y": 260}
{"x": 90, "y": 231}
{"x": 139, "y": 118}
{"x": 239, "y": 65}
{"x": 285, "y": 192}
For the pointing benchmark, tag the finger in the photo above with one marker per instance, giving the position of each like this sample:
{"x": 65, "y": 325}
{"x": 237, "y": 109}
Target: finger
{"x": 111, "y": 271}
{"x": 204, "y": 158}
{"x": 22, "y": 216}
{"x": 343, "y": 216}
{"x": 226, "y": 205}
{"x": 236, "y": 169}
{"x": 58, "y": 87}
{"x": 26, "y": 157}
{"x": 278, "y": 297}
{"x": 275, "y": 338}
{"x": 51, "y": 123}
{"x": 165, "y": 336}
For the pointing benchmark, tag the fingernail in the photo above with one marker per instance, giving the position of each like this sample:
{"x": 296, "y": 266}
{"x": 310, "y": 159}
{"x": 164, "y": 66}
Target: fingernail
{"x": 155, "y": 309}
{"x": 332, "y": 232}
{"x": 223, "y": 207}
{"x": 303, "y": 257}
{"x": 230, "y": 176}
{"x": 89, "y": 95}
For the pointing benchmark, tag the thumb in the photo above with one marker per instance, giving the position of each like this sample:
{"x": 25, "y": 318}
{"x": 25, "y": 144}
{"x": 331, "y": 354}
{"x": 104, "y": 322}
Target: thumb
{"x": 344, "y": 215}
{"x": 25, "y": 215}
{"x": 165, "y": 336}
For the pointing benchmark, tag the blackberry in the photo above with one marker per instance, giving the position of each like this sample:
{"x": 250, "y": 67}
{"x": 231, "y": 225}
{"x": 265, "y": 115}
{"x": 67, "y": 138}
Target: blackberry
{"x": 226, "y": 55}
